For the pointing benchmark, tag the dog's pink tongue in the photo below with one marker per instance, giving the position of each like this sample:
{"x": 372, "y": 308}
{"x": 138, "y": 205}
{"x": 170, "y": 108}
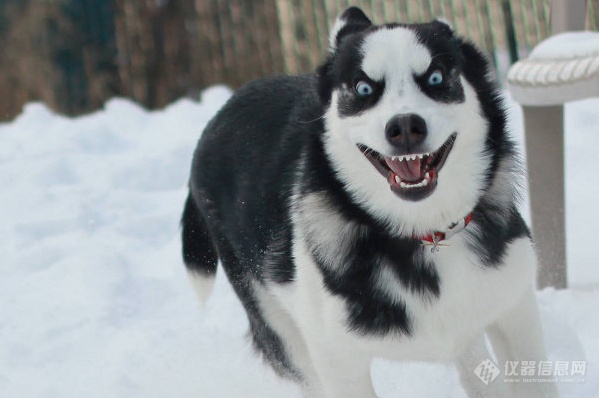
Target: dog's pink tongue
{"x": 407, "y": 170}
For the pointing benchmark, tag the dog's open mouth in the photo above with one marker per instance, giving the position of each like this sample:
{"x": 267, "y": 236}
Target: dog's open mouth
{"x": 413, "y": 176}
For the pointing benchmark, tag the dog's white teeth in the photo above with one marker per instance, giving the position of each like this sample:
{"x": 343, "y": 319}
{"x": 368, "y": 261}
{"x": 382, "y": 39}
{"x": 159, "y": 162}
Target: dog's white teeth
{"x": 404, "y": 185}
{"x": 427, "y": 176}
{"x": 403, "y": 158}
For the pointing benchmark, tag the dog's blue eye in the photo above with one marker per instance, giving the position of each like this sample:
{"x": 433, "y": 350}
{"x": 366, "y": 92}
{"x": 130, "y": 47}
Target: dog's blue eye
{"x": 363, "y": 89}
{"x": 436, "y": 78}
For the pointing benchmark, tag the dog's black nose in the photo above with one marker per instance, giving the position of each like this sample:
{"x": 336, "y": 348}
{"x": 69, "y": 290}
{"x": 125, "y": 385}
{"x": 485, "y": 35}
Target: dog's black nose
{"x": 406, "y": 132}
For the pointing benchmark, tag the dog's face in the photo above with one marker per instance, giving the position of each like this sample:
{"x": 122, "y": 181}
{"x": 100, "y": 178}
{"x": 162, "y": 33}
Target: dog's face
{"x": 405, "y": 126}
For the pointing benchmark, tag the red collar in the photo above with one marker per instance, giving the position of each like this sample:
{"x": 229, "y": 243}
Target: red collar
{"x": 436, "y": 237}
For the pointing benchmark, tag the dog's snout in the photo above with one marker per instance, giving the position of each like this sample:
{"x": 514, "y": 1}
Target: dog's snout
{"x": 405, "y": 132}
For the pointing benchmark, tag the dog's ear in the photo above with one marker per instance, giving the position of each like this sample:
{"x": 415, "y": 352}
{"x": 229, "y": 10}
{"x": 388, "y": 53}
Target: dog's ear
{"x": 352, "y": 20}
{"x": 443, "y": 25}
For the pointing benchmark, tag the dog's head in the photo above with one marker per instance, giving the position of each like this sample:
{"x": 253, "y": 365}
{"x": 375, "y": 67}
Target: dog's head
{"x": 414, "y": 125}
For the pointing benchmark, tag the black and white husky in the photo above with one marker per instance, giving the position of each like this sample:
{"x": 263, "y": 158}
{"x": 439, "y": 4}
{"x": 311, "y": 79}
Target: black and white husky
{"x": 369, "y": 210}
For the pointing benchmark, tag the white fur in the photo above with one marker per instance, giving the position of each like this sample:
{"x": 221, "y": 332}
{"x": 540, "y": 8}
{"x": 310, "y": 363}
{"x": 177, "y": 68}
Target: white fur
{"x": 202, "y": 285}
{"x": 331, "y": 234}
{"x": 460, "y": 180}
{"x": 438, "y": 323}
{"x": 394, "y": 53}
{"x": 335, "y": 30}
{"x": 445, "y": 22}
{"x": 336, "y": 363}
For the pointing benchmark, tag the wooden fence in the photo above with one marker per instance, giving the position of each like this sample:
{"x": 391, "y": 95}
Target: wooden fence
{"x": 489, "y": 24}
{"x": 75, "y": 54}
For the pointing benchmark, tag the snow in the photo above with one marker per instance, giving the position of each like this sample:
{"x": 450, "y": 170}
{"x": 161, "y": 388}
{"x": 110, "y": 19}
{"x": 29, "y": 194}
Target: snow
{"x": 567, "y": 45}
{"x": 94, "y": 300}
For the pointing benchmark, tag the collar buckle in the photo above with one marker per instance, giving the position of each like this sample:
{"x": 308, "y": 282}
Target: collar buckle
{"x": 434, "y": 239}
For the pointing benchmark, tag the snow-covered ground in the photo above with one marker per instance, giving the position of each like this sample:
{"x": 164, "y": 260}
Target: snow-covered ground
{"x": 94, "y": 301}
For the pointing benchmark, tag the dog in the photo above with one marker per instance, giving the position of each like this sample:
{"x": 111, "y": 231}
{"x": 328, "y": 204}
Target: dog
{"x": 370, "y": 210}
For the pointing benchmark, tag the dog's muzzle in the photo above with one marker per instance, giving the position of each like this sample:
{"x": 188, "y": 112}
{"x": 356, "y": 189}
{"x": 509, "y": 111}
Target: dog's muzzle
{"x": 413, "y": 176}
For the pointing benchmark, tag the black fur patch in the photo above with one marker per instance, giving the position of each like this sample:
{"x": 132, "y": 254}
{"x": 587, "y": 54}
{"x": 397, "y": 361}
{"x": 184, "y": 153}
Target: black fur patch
{"x": 352, "y": 104}
{"x": 446, "y": 57}
{"x": 368, "y": 248}
{"x": 497, "y": 229}
{"x": 477, "y": 72}
{"x": 370, "y": 311}
{"x": 199, "y": 253}
{"x": 450, "y": 91}
{"x": 277, "y": 257}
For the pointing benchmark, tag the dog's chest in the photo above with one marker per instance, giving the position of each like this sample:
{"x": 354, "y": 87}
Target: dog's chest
{"x": 470, "y": 297}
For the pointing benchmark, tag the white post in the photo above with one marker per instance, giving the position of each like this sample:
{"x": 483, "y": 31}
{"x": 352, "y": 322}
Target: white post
{"x": 544, "y": 130}
{"x": 545, "y": 164}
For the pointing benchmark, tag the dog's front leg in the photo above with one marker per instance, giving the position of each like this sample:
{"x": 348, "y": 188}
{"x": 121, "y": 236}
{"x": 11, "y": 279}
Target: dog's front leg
{"x": 517, "y": 336}
{"x": 342, "y": 374}
{"x": 478, "y": 375}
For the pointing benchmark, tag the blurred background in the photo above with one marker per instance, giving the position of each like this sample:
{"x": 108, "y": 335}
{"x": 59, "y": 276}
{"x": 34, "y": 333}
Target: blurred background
{"x": 75, "y": 54}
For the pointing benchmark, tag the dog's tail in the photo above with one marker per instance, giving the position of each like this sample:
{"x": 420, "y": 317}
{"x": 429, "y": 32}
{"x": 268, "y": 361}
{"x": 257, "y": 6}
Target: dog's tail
{"x": 199, "y": 253}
